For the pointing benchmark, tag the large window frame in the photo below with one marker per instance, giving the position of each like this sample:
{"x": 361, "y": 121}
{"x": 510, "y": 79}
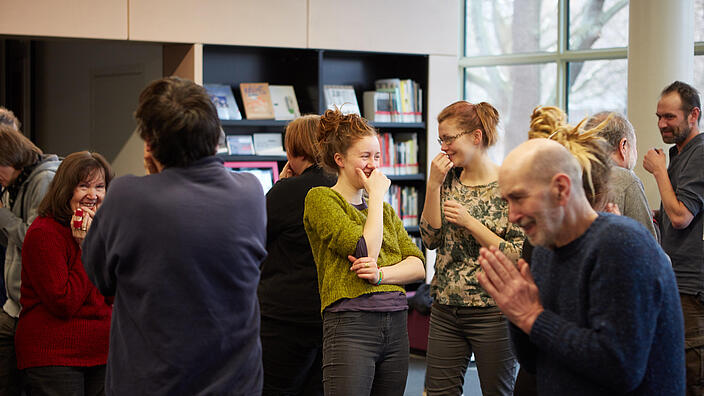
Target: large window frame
{"x": 561, "y": 57}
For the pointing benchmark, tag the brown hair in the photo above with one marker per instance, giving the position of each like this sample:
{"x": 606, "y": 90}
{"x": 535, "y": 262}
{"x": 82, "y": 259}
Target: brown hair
{"x": 7, "y": 117}
{"x": 299, "y": 138}
{"x": 74, "y": 169}
{"x": 689, "y": 96}
{"x": 16, "y": 150}
{"x": 590, "y": 150}
{"x": 468, "y": 117}
{"x": 337, "y": 133}
{"x": 178, "y": 121}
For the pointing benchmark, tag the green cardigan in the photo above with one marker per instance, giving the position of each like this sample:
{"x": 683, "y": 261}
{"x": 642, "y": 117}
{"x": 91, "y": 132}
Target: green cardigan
{"x": 334, "y": 228}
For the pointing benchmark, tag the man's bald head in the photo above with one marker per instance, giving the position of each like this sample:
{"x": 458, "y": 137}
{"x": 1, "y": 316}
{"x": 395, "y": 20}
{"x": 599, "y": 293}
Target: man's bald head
{"x": 540, "y": 160}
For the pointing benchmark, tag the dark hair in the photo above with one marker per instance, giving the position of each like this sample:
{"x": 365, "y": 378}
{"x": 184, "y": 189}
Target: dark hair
{"x": 75, "y": 168}
{"x": 300, "y": 137}
{"x": 615, "y": 128}
{"x": 15, "y": 149}
{"x": 7, "y": 117}
{"x": 337, "y": 133}
{"x": 176, "y": 118}
{"x": 688, "y": 95}
{"x": 469, "y": 117}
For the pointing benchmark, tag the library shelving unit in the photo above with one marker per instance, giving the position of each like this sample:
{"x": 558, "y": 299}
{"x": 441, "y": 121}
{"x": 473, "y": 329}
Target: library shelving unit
{"x": 309, "y": 70}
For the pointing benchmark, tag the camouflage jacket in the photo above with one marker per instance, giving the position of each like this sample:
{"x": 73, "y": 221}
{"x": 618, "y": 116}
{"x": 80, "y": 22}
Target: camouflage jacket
{"x": 456, "y": 266}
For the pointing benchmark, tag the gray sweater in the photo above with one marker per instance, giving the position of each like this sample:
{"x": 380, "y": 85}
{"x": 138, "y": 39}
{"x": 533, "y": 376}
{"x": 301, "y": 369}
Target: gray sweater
{"x": 15, "y": 221}
{"x": 627, "y": 192}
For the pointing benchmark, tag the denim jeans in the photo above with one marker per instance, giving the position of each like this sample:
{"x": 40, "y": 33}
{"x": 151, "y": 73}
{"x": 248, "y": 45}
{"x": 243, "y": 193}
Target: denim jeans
{"x": 693, "y": 311}
{"x": 365, "y": 353}
{"x": 292, "y": 358}
{"x": 9, "y": 375}
{"x": 64, "y": 381}
{"x": 457, "y": 332}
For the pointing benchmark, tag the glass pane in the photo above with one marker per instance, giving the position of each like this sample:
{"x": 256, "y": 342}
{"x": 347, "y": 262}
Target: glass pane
{"x": 496, "y": 27}
{"x": 699, "y": 77}
{"x": 598, "y": 24}
{"x": 515, "y": 91}
{"x": 698, "y": 20}
{"x": 596, "y": 86}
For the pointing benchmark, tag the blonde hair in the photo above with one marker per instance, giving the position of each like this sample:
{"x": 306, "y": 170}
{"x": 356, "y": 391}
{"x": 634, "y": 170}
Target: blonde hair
{"x": 337, "y": 132}
{"x": 299, "y": 138}
{"x": 468, "y": 117}
{"x": 588, "y": 147}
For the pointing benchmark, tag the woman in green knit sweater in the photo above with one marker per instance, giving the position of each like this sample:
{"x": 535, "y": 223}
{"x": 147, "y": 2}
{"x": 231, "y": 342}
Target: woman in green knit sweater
{"x": 363, "y": 256}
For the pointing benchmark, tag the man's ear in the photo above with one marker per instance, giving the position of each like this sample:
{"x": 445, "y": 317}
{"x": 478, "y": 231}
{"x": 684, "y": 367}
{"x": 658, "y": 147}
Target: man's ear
{"x": 338, "y": 160}
{"x": 561, "y": 188}
{"x": 693, "y": 116}
{"x": 623, "y": 149}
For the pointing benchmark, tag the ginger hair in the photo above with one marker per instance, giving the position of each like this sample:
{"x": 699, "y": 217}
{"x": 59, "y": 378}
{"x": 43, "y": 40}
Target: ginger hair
{"x": 468, "y": 117}
{"x": 337, "y": 133}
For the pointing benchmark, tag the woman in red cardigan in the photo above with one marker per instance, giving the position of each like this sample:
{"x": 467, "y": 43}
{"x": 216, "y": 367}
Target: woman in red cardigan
{"x": 63, "y": 330}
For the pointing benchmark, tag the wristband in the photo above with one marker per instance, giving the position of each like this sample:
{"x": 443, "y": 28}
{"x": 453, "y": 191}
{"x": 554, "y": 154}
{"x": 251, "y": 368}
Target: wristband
{"x": 381, "y": 276}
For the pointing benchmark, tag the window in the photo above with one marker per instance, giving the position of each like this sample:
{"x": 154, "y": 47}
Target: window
{"x": 699, "y": 45}
{"x": 519, "y": 54}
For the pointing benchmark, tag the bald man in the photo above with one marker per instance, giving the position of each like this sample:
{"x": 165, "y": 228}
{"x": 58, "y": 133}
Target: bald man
{"x": 598, "y": 311}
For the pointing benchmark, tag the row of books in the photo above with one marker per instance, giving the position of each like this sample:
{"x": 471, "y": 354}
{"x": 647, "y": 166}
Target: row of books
{"x": 394, "y": 100}
{"x": 261, "y": 101}
{"x": 399, "y": 153}
{"x": 404, "y": 200}
{"x": 254, "y": 144}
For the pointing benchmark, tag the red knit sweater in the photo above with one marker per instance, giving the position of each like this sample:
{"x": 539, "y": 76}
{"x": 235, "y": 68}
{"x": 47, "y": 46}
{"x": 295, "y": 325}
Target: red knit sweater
{"x": 64, "y": 321}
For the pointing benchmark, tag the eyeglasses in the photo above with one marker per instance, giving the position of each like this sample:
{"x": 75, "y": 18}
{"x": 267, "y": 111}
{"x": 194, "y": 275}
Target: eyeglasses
{"x": 448, "y": 140}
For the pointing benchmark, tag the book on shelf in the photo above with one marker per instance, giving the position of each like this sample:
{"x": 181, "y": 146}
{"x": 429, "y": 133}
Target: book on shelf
{"x": 404, "y": 201}
{"x": 406, "y": 99}
{"x": 342, "y": 97}
{"x": 268, "y": 144}
{"x": 283, "y": 98}
{"x": 257, "y": 101}
{"x": 224, "y": 101}
{"x": 240, "y": 145}
{"x": 399, "y": 153}
{"x": 377, "y": 106}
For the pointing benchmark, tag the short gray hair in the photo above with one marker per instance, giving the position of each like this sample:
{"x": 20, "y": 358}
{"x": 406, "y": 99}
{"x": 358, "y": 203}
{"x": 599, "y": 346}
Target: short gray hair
{"x": 616, "y": 129}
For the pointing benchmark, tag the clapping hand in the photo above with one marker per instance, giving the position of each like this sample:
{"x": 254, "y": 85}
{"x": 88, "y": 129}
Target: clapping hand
{"x": 80, "y": 223}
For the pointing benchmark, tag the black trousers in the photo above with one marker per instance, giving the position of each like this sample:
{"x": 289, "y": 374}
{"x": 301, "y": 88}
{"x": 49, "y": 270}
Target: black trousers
{"x": 292, "y": 357}
{"x": 64, "y": 381}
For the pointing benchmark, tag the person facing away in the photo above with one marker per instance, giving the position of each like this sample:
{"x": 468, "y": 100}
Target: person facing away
{"x": 626, "y": 189}
{"x": 63, "y": 330}
{"x": 291, "y": 329}
{"x": 363, "y": 256}
{"x": 681, "y": 187}
{"x": 462, "y": 212}
{"x": 25, "y": 175}
{"x": 597, "y": 311}
{"x": 180, "y": 250}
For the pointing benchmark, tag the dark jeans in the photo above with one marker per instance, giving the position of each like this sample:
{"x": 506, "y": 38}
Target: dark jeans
{"x": 457, "y": 332}
{"x": 693, "y": 311}
{"x": 365, "y": 353}
{"x": 292, "y": 356}
{"x": 9, "y": 375}
{"x": 64, "y": 381}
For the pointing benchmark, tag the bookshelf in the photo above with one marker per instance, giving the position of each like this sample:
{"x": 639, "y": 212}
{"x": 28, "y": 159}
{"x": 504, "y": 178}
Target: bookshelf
{"x": 309, "y": 70}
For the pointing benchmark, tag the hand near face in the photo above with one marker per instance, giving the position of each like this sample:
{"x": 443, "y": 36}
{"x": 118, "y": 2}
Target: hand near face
{"x": 457, "y": 214}
{"x": 366, "y": 268}
{"x": 149, "y": 164}
{"x": 80, "y": 223}
{"x": 376, "y": 183}
{"x": 438, "y": 169}
{"x": 286, "y": 172}
{"x": 612, "y": 208}
{"x": 513, "y": 289}
{"x": 654, "y": 161}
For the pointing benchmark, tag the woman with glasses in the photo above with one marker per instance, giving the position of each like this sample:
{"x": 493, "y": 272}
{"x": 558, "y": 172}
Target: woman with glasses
{"x": 464, "y": 211}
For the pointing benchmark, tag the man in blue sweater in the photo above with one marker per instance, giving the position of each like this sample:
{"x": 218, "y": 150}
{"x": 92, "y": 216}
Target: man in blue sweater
{"x": 180, "y": 250}
{"x": 598, "y": 311}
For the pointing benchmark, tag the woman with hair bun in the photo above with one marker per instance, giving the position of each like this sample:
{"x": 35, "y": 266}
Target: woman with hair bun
{"x": 363, "y": 256}
{"x": 464, "y": 211}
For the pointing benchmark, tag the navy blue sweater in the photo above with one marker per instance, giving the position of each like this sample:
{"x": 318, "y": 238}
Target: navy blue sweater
{"x": 612, "y": 322}
{"x": 180, "y": 250}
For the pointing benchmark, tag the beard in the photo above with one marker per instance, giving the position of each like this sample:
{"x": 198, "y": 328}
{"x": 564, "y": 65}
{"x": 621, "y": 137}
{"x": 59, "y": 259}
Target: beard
{"x": 678, "y": 134}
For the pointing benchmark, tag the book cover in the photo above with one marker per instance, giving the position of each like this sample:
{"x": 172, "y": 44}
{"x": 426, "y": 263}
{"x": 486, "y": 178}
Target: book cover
{"x": 283, "y": 98}
{"x": 257, "y": 101}
{"x": 224, "y": 101}
{"x": 268, "y": 144}
{"x": 240, "y": 145}
{"x": 342, "y": 97}
{"x": 377, "y": 106}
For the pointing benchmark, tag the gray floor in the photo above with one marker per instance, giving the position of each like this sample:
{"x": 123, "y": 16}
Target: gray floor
{"x": 416, "y": 375}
